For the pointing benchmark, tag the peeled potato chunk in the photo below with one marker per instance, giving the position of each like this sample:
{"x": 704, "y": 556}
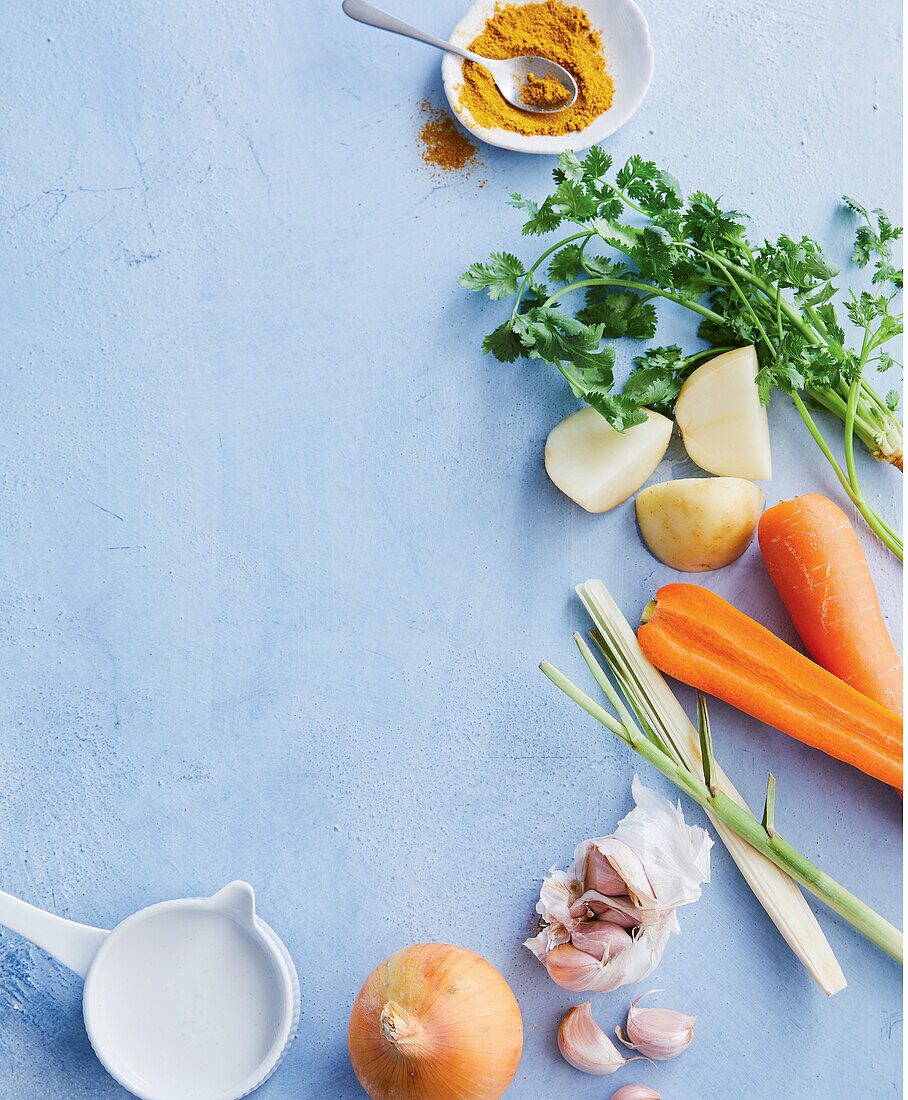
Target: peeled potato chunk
{"x": 699, "y": 523}
{"x": 598, "y": 466}
{"x": 724, "y": 426}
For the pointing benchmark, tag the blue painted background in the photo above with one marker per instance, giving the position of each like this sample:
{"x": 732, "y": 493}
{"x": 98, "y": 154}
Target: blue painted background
{"x": 278, "y": 556}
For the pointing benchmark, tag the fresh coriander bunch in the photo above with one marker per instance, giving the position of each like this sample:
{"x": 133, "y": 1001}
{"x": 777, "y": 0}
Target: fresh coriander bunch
{"x": 777, "y": 296}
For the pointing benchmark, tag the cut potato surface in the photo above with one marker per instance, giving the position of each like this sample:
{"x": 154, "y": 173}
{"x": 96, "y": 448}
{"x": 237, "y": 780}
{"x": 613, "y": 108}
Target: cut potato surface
{"x": 599, "y": 467}
{"x": 724, "y": 426}
{"x": 700, "y": 523}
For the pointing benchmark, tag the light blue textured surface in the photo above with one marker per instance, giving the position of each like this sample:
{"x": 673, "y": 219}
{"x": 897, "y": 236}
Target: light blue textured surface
{"x": 279, "y": 556}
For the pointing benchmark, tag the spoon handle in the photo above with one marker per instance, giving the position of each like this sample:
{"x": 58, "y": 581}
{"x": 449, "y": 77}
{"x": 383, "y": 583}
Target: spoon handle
{"x": 74, "y": 945}
{"x": 375, "y": 17}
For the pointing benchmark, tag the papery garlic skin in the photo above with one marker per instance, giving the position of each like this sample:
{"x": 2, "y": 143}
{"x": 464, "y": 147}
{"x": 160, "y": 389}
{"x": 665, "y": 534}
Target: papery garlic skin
{"x": 658, "y": 1033}
{"x": 636, "y": 1092}
{"x": 661, "y": 862}
{"x": 586, "y": 1046}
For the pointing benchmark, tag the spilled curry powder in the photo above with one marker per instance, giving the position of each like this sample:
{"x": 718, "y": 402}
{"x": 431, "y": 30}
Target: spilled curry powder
{"x": 442, "y": 144}
{"x": 548, "y": 29}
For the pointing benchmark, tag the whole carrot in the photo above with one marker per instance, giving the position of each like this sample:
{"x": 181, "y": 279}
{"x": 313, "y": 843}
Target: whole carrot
{"x": 692, "y": 634}
{"x": 818, "y": 566}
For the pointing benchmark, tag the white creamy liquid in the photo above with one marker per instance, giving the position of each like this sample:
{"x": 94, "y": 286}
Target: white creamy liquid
{"x": 187, "y": 1000}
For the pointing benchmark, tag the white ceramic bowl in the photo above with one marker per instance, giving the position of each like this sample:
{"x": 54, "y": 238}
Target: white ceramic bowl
{"x": 628, "y": 57}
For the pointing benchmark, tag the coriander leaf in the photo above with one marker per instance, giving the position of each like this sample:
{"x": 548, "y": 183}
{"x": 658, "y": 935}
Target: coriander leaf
{"x": 504, "y": 344}
{"x": 637, "y": 178}
{"x": 670, "y": 191}
{"x": 655, "y": 254}
{"x": 528, "y": 206}
{"x": 765, "y": 383}
{"x": 875, "y": 242}
{"x": 710, "y": 227}
{"x": 618, "y": 410}
{"x": 610, "y": 208}
{"x": 635, "y": 169}
{"x": 572, "y": 201}
{"x": 865, "y": 311}
{"x": 622, "y": 314}
{"x": 818, "y": 298}
{"x": 540, "y": 219}
{"x": 596, "y": 163}
{"x": 657, "y": 378}
{"x": 783, "y": 373}
{"x": 569, "y": 168}
{"x": 603, "y": 268}
{"x": 565, "y": 264}
{"x": 797, "y": 265}
{"x": 622, "y": 237}
{"x": 533, "y": 296}
{"x": 500, "y": 275}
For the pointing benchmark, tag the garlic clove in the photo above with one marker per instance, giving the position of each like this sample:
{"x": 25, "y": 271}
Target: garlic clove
{"x": 657, "y": 1032}
{"x": 601, "y": 876}
{"x": 599, "y": 938}
{"x": 586, "y": 1046}
{"x": 626, "y": 916}
{"x": 636, "y": 1092}
{"x": 571, "y": 968}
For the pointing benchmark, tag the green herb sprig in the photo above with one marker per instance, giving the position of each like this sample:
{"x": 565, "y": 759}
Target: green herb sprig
{"x": 691, "y": 252}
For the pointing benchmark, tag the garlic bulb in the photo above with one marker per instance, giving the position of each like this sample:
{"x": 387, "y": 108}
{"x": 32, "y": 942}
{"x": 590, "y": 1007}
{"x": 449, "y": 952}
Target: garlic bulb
{"x": 636, "y": 1092}
{"x": 586, "y": 1046}
{"x": 657, "y": 1032}
{"x": 435, "y": 1022}
{"x": 631, "y": 881}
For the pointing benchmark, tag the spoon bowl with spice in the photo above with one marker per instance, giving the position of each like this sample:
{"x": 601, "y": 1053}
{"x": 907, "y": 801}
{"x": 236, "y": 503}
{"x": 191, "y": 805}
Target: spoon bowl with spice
{"x": 529, "y": 83}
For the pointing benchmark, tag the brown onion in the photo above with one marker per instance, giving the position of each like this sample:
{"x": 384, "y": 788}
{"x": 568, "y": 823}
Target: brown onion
{"x": 435, "y": 1022}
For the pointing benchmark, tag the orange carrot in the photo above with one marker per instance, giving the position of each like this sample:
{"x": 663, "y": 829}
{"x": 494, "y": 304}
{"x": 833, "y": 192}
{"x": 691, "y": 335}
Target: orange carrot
{"x": 817, "y": 564}
{"x": 694, "y": 635}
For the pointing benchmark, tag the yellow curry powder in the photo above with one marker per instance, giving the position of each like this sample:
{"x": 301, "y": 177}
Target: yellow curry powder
{"x": 442, "y": 144}
{"x": 543, "y": 91}
{"x": 549, "y": 29}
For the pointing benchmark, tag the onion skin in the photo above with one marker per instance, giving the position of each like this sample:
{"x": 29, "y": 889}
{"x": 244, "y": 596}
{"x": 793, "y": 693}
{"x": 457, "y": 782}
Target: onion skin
{"x": 435, "y": 1022}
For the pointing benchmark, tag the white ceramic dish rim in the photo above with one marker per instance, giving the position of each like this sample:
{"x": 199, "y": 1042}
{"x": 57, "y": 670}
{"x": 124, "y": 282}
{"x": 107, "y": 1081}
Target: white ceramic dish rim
{"x": 602, "y": 127}
{"x": 289, "y": 990}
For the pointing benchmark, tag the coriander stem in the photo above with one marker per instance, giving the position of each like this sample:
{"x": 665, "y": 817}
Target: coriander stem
{"x": 850, "y": 411}
{"x": 880, "y": 528}
{"x": 807, "y": 331}
{"x": 645, "y": 288}
{"x": 529, "y": 275}
{"x": 849, "y": 432}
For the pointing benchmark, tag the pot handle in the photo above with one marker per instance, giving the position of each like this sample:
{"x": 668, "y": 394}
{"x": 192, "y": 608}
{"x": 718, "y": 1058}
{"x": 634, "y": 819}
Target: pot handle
{"x": 74, "y": 945}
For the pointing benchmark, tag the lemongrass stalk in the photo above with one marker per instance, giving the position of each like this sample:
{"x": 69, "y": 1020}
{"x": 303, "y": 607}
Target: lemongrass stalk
{"x": 656, "y": 708}
{"x": 724, "y": 809}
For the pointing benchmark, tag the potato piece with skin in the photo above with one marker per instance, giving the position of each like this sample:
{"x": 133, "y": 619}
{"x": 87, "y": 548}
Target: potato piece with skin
{"x": 724, "y": 427}
{"x": 598, "y": 466}
{"x": 700, "y": 523}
